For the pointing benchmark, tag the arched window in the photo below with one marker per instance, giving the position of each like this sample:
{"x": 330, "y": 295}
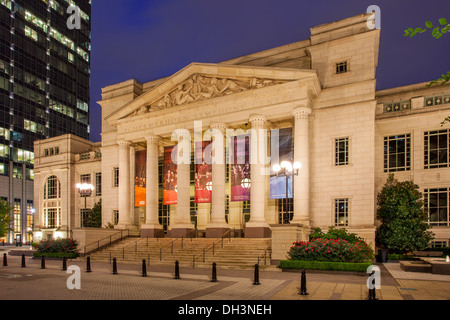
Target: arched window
{"x": 52, "y": 188}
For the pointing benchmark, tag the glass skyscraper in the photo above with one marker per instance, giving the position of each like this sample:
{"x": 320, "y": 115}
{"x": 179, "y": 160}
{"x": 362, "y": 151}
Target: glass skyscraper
{"x": 44, "y": 91}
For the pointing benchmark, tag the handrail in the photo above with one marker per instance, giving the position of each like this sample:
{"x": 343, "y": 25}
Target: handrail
{"x": 85, "y": 252}
{"x": 265, "y": 254}
{"x": 212, "y": 246}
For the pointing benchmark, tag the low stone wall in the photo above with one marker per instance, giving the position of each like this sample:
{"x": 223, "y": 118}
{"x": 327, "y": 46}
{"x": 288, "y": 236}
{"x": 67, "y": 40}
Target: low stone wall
{"x": 87, "y": 236}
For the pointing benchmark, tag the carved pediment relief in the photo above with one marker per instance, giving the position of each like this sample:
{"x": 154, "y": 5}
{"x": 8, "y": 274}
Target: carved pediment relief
{"x": 199, "y": 87}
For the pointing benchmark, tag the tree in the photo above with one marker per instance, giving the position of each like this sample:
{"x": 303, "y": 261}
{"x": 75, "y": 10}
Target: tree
{"x": 94, "y": 216}
{"x": 5, "y": 219}
{"x": 403, "y": 218}
{"x": 437, "y": 32}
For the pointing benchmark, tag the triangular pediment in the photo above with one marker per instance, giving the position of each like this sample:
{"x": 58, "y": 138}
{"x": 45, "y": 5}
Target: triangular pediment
{"x": 199, "y": 82}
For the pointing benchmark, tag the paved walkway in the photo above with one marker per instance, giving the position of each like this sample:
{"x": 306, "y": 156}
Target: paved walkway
{"x": 34, "y": 283}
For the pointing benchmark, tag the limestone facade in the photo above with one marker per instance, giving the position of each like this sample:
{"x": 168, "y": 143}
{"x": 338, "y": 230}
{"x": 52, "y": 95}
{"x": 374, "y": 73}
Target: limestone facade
{"x": 324, "y": 88}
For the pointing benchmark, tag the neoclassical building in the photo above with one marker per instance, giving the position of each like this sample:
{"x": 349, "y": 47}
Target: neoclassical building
{"x": 318, "y": 94}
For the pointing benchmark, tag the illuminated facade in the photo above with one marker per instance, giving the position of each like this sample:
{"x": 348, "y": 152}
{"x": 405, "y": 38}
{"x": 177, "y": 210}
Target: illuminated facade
{"x": 319, "y": 93}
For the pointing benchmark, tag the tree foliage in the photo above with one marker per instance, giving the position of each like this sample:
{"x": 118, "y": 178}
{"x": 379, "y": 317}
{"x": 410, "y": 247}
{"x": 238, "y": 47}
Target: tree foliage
{"x": 5, "y": 219}
{"x": 94, "y": 216}
{"x": 403, "y": 218}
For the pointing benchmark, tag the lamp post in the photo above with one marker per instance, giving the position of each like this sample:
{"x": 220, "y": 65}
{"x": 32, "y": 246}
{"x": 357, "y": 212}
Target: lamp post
{"x": 287, "y": 169}
{"x": 85, "y": 190}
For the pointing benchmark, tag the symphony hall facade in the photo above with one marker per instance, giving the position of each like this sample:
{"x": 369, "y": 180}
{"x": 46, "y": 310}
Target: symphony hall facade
{"x": 316, "y": 97}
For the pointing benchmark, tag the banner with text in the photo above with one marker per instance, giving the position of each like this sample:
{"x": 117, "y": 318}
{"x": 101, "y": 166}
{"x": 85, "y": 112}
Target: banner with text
{"x": 203, "y": 174}
{"x": 281, "y": 149}
{"x": 170, "y": 177}
{"x": 139, "y": 179}
{"x": 240, "y": 168}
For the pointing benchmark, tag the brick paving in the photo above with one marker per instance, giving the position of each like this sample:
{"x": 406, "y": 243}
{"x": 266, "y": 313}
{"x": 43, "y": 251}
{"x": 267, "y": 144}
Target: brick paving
{"x": 34, "y": 283}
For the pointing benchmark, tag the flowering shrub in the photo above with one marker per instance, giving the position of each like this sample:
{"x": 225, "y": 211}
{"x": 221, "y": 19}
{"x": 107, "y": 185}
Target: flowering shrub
{"x": 57, "y": 246}
{"x": 335, "y": 250}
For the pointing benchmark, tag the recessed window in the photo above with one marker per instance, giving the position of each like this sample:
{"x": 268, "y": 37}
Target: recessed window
{"x": 436, "y": 149}
{"x": 341, "y": 152}
{"x": 341, "y": 67}
{"x": 116, "y": 178}
{"x": 341, "y": 212}
{"x": 397, "y": 153}
{"x": 437, "y": 205}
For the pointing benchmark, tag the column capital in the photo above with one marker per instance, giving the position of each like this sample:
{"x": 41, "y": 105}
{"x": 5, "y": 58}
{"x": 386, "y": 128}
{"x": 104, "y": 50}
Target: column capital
{"x": 257, "y": 120}
{"x": 152, "y": 140}
{"x": 218, "y": 126}
{"x": 124, "y": 143}
{"x": 302, "y": 112}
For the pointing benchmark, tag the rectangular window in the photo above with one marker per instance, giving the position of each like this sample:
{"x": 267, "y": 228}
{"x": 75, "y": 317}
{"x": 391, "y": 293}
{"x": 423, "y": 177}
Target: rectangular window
{"x": 436, "y": 149}
{"x": 436, "y": 204}
{"x": 83, "y": 217}
{"x": 341, "y": 152}
{"x": 85, "y": 178}
{"x": 53, "y": 218}
{"x": 341, "y": 212}
{"x": 397, "y": 153}
{"x": 282, "y": 209}
{"x": 116, "y": 216}
{"x": 341, "y": 67}
{"x": 98, "y": 184}
{"x": 116, "y": 178}
{"x": 17, "y": 216}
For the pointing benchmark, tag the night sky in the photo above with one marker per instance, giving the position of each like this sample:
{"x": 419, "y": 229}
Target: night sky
{"x": 150, "y": 39}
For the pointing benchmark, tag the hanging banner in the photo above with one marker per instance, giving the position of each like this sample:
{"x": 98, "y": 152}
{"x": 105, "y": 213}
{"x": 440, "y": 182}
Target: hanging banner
{"x": 240, "y": 168}
{"x": 170, "y": 178}
{"x": 281, "y": 149}
{"x": 203, "y": 174}
{"x": 139, "y": 180}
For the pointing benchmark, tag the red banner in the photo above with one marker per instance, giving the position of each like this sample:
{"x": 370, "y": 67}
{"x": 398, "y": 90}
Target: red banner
{"x": 203, "y": 174}
{"x": 170, "y": 178}
{"x": 240, "y": 168}
{"x": 139, "y": 180}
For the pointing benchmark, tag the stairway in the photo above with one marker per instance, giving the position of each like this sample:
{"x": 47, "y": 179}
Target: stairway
{"x": 236, "y": 253}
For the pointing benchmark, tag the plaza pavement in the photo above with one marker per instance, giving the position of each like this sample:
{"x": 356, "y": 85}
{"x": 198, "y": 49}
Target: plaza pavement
{"x": 34, "y": 283}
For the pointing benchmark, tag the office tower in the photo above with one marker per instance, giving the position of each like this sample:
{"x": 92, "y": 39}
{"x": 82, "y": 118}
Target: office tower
{"x": 44, "y": 91}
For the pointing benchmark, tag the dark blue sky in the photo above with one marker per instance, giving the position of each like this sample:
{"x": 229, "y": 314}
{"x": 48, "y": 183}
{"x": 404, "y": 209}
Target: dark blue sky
{"x": 150, "y": 39}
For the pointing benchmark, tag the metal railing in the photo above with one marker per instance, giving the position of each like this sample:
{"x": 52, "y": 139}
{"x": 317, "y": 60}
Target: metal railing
{"x": 264, "y": 255}
{"x": 212, "y": 247}
{"x": 105, "y": 242}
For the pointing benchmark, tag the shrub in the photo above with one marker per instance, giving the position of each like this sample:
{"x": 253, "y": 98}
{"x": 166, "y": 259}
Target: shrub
{"x": 335, "y": 250}
{"x": 334, "y": 233}
{"x": 57, "y": 246}
{"x": 70, "y": 255}
{"x": 320, "y": 265}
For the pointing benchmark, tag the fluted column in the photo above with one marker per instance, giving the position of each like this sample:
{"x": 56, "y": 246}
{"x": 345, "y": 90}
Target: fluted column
{"x": 217, "y": 225}
{"x": 152, "y": 227}
{"x": 124, "y": 185}
{"x": 257, "y": 227}
{"x": 183, "y": 223}
{"x": 301, "y": 154}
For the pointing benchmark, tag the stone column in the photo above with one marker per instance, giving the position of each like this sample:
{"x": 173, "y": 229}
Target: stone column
{"x": 124, "y": 185}
{"x": 183, "y": 223}
{"x": 257, "y": 227}
{"x": 218, "y": 225}
{"x": 301, "y": 154}
{"x": 152, "y": 228}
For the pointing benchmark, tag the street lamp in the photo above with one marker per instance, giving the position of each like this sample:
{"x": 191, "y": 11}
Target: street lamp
{"x": 287, "y": 169}
{"x": 245, "y": 183}
{"x": 85, "y": 190}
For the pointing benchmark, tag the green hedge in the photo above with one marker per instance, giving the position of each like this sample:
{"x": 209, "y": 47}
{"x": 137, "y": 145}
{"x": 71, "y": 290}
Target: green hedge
{"x": 325, "y": 265}
{"x": 69, "y": 255}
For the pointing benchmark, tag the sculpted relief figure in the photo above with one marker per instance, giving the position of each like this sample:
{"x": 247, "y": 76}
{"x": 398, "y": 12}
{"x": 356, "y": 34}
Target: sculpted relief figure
{"x": 199, "y": 87}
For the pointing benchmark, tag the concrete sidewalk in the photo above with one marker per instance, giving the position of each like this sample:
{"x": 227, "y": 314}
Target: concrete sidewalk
{"x": 34, "y": 283}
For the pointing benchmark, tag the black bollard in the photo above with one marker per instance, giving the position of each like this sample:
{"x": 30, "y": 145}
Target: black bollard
{"x": 177, "y": 270}
{"x": 114, "y": 266}
{"x": 256, "y": 279}
{"x": 88, "y": 264}
{"x": 5, "y": 260}
{"x": 303, "y": 291}
{"x": 372, "y": 294}
{"x": 42, "y": 262}
{"x": 64, "y": 263}
{"x": 214, "y": 273}
{"x": 23, "y": 261}
{"x": 144, "y": 268}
